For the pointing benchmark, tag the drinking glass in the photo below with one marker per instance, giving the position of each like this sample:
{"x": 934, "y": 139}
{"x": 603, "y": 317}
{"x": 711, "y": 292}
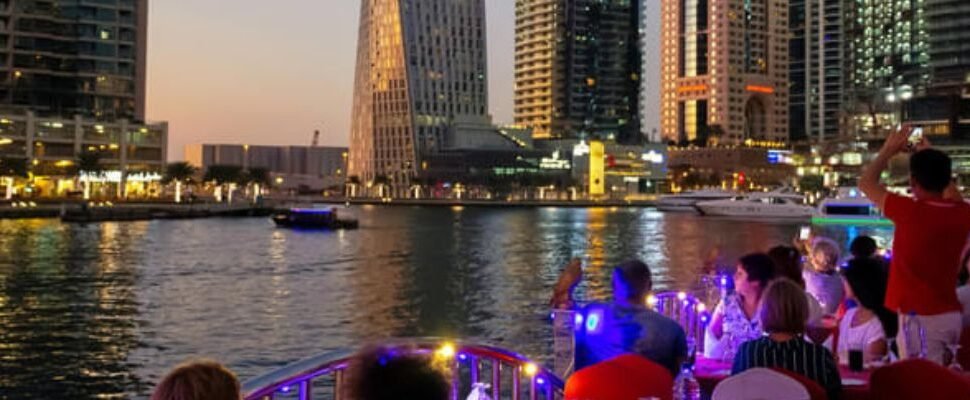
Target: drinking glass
{"x": 954, "y": 363}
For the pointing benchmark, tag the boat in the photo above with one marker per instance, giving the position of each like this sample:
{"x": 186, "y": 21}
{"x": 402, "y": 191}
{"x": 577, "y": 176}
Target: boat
{"x": 685, "y": 201}
{"x": 312, "y": 218}
{"x": 849, "y": 206}
{"x": 778, "y": 204}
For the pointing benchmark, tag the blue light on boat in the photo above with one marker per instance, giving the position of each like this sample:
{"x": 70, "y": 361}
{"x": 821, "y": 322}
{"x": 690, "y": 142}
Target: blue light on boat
{"x": 540, "y": 381}
{"x": 462, "y": 356}
{"x": 593, "y": 321}
{"x": 310, "y": 211}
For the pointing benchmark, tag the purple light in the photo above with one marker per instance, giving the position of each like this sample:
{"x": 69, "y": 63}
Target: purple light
{"x": 310, "y": 211}
{"x": 462, "y": 356}
{"x": 593, "y": 321}
{"x": 578, "y": 319}
{"x": 540, "y": 381}
{"x": 724, "y": 281}
{"x": 285, "y": 389}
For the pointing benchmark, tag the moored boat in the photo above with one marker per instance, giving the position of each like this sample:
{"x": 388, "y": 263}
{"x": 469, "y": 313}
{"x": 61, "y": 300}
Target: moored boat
{"x": 312, "y": 218}
{"x": 778, "y": 204}
{"x": 686, "y": 201}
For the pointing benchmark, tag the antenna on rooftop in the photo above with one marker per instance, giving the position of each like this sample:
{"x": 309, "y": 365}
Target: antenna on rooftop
{"x": 316, "y": 139}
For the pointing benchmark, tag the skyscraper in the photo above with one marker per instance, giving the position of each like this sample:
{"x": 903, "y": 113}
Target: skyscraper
{"x": 724, "y": 70}
{"x": 577, "y": 68}
{"x": 64, "y": 57}
{"x": 815, "y": 53}
{"x": 421, "y": 65}
{"x": 948, "y": 23}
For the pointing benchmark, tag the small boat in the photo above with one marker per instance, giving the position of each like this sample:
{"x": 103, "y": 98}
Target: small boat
{"x": 312, "y": 218}
{"x": 849, "y": 206}
{"x": 778, "y": 204}
{"x": 686, "y": 201}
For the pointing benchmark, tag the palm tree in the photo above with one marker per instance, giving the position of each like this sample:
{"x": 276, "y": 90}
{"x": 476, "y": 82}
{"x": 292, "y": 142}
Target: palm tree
{"x": 179, "y": 172}
{"x": 11, "y": 168}
{"x": 89, "y": 166}
{"x": 222, "y": 175}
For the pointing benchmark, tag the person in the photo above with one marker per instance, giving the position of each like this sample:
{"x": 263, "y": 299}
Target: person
{"x": 788, "y": 264}
{"x": 378, "y": 373}
{"x": 822, "y": 280}
{"x": 867, "y": 326}
{"x": 628, "y": 376}
{"x": 734, "y": 320}
{"x": 626, "y": 325}
{"x": 931, "y": 229}
{"x": 863, "y": 247}
{"x": 198, "y": 380}
{"x": 783, "y": 312}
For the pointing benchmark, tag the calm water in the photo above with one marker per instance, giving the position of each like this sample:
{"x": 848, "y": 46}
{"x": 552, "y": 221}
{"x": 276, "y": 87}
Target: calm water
{"x": 104, "y": 310}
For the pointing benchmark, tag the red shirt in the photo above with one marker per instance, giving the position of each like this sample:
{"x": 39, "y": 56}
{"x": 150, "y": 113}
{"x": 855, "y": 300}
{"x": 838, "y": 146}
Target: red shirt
{"x": 625, "y": 377}
{"x": 927, "y": 248}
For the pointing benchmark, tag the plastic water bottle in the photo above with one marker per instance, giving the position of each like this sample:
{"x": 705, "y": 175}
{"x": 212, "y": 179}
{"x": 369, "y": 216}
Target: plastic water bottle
{"x": 686, "y": 386}
{"x": 479, "y": 392}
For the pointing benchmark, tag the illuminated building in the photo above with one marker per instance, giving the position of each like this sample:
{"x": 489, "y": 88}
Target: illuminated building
{"x": 421, "y": 64}
{"x": 948, "y": 23}
{"x": 290, "y": 167}
{"x": 577, "y": 68}
{"x": 724, "y": 71}
{"x": 62, "y": 58}
{"x": 816, "y": 92}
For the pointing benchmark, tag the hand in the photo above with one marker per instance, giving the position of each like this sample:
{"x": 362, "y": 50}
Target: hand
{"x": 896, "y": 142}
{"x": 568, "y": 279}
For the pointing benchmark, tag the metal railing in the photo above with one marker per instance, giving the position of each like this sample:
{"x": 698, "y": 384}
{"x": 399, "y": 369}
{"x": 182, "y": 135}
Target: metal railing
{"x": 510, "y": 375}
{"x": 686, "y": 310}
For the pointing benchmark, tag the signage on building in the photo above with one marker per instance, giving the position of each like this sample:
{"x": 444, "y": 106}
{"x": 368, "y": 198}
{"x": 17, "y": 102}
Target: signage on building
{"x": 653, "y": 157}
{"x": 554, "y": 162}
{"x": 115, "y": 177}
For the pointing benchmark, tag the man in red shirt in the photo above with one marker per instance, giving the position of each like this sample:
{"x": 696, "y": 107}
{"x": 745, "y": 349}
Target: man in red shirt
{"x": 931, "y": 232}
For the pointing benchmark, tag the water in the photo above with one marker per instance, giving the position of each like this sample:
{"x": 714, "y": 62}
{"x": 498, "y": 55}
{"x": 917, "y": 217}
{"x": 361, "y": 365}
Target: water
{"x": 104, "y": 310}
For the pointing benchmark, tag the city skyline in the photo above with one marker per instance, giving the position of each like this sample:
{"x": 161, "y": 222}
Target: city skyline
{"x": 195, "y": 84}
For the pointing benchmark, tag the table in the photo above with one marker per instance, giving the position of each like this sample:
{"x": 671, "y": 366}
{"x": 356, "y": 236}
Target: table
{"x": 711, "y": 372}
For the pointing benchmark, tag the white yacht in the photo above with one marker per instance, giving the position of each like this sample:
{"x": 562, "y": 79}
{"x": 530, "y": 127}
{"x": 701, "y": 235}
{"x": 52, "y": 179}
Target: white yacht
{"x": 848, "y": 205}
{"x": 686, "y": 201}
{"x": 779, "y": 204}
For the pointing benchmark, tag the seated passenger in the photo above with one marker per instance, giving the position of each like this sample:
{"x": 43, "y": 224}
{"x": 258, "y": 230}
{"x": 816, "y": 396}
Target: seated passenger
{"x": 866, "y": 326}
{"x": 734, "y": 320}
{"x": 783, "y": 312}
{"x": 199, "y": 380}
{"x": 378, "y": 373}
{"x": 626, "y": 325}
{"x": 822, "y": 280}
{"x": 788, "y": 264}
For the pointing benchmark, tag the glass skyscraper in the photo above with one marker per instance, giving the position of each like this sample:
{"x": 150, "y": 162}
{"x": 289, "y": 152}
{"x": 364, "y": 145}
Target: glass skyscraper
{"x": 948, "y": 23}
{"x": 816, "y": 56}
{"x": 61, "y": 58}
{"x": 421, "y": 65}
{"x": 577, "y": 68}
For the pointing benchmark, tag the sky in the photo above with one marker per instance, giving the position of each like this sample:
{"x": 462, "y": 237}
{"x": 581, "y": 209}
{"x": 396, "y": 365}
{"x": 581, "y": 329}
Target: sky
{"x": 241, "y": 72}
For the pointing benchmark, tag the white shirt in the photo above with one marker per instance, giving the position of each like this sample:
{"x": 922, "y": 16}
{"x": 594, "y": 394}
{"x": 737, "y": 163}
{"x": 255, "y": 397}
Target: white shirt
{"x": 963, "y": 293}
{"x": 857, "y": 337}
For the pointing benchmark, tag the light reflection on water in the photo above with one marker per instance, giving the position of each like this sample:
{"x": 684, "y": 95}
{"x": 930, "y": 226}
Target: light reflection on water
{"x": 105, "y": 309}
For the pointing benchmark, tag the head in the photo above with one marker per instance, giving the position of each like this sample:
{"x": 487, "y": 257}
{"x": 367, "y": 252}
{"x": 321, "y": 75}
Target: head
{"x": 865, "y": 281}
{"x": 632, "y": 281}
{"x": 199, "y": 380}
{"x": 863, "y": 247}
{"x": 379, "y": 373}
{"x": 824, "y": 255}
{"x": 788, "y": 263}
{"x": 754, "y": 272}
{"x": 930, "y": 173}
{"x": 784, "y": 308}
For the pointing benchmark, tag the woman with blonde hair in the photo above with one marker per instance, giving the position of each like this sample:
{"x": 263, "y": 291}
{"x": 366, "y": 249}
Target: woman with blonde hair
{"x": 822, "y": 280}
{"x": 199, "y": 380}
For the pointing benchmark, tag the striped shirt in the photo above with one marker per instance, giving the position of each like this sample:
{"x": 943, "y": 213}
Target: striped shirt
{"x": 797, "y": 355}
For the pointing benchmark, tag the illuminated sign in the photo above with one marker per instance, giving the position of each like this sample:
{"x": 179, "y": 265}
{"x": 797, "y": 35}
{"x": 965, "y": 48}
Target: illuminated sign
{"x": 779, "y": 157}
{"x": 852, "y": 158}
{"x": 115, "y": 177}
{"x": 653, "y": 156}
{"x": 580, "y": 149}
{"x": 692, "y": 88}
{"x": 597, "y": 168}
{"x": 554, "y": 162}
{"x": 760, "y": 89}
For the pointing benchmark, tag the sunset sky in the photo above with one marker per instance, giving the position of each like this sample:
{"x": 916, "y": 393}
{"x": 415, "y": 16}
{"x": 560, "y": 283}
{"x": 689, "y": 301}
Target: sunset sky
{"x": 243, "y": 72}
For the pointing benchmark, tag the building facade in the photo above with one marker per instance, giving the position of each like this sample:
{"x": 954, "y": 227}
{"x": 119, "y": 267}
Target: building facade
{"x": 724, "y": 70}
{"x": 62, "y": 58}
{"x": 948, "y": 23}
{"x": 420, "y": 65}
{"x": 815, "y": 53}
{"x": 315, "y": 168}
{"x": 577, "y": 68}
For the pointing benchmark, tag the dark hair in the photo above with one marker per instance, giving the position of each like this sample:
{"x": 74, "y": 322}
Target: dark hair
{"x": 931, "y": 169}
{"x": 788, "y": 263}
{"x": 379, "y": 373}
{"x": 198, "y": 380}
{"x": 759, "y": 267}
{"x": 784, "y": 307}
{"x": 863, "y": 247}
{"x": 636, "y": 276}
{"x": 868, "y": 281}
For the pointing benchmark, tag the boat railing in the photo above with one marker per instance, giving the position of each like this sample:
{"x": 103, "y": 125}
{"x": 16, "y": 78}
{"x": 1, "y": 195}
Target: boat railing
{"x": 508, "y": 375}
{"x": 687, "y": 310}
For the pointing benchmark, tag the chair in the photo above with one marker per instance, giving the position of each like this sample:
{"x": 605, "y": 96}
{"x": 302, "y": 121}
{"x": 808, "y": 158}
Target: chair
{"x": 760, "y": 384}
{"x": 625, "y": 377}
{"x": 918, "y": 379}
{"x": 816, "y": 391}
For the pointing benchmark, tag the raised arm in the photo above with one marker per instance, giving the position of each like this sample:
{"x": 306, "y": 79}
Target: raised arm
{"x": 562, "y": 295}
{"x": 869, "y": 181}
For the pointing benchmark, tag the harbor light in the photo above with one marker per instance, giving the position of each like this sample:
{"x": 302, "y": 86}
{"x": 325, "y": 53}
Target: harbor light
{"x": 530, "y": 369}
{"x": 446, "y": 350}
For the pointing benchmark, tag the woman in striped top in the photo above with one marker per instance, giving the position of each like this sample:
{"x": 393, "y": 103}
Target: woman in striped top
{"x": 783, "y": 313}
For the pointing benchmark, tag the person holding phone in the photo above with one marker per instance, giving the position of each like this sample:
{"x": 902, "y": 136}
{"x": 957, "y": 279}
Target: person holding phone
{"x": 931, "y": 230}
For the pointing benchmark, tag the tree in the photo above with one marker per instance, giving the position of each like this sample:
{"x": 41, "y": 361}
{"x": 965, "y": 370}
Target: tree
{"x": 11, "y": 168}
{"x": 89, "y": 166}
{"x": 179, "y": 172}
{"x": 222, "y": 175}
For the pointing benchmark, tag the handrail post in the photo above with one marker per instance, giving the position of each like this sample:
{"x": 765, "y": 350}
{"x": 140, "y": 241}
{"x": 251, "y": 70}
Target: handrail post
{"x": 305, "y": 387}
{"x": 455, "y": 378}
{"x": 516, "y": 384}
{"x": 496, "y": 379}
{"x": 473, "y": 369}
{"x": 338, "y": 384}
{"x": 533, "y": 388}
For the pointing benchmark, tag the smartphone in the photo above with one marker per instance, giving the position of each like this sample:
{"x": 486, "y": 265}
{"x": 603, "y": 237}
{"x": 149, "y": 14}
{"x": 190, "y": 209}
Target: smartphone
{"x": 915, "y": 137}
{"x": 804, "y": 233}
